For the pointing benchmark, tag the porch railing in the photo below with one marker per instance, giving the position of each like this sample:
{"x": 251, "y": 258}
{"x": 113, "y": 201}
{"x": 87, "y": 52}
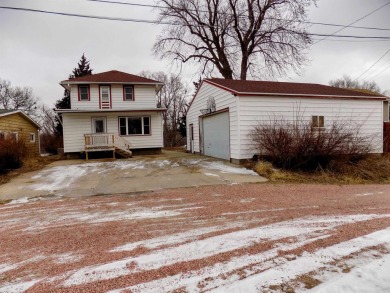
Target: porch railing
{"x": 105, "y": 141}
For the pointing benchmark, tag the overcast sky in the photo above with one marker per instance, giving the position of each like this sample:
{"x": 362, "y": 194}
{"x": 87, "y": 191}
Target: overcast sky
{"x": 39, "y": 50}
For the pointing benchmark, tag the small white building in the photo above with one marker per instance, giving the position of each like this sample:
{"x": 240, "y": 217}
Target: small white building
{"x": 112, "y": 111}
{"x": 224, "y": 112}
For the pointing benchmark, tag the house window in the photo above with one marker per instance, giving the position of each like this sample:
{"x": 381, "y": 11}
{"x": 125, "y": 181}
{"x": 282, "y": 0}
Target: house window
{"x": 134, "y": 125}
{"x": 128, "y": 93}
{"x": 83, "y": 92}
{"x": 317, "y": 121}
{"x": 32, "y": 137}
{"x": 13, "y": 136}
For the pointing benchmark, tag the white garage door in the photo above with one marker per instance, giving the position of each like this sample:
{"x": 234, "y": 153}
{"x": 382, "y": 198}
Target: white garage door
{"x": 216, "y": 136}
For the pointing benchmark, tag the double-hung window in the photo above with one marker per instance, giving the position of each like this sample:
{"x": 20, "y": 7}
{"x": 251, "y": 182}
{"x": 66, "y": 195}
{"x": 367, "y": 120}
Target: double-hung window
{"x": 134, "y": 125}
{"x": 83, "y": 92}
{"x": 317, "y": 121}
{"x": 128, "y": 93}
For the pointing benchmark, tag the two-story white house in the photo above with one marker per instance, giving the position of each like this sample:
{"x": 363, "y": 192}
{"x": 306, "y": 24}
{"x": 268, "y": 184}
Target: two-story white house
{"x": 112, "y": 111}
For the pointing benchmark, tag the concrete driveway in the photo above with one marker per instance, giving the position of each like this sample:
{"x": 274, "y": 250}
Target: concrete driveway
{"x": 74, "y": 178}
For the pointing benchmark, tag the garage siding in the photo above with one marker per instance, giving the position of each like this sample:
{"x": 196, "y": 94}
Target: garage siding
{"x": 223, "y": 99}
{"x": 365, "y": 113}
{"x": 76, "y": 125}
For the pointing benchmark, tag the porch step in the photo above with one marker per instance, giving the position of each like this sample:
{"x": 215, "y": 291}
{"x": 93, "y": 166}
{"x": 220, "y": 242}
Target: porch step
{"x": 124, "y": 153}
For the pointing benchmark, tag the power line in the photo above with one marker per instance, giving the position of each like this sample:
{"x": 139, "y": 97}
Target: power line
{"x": 352, "y": 23}
{"x": 166, "y": 23}
{"x": 383, "y": 56}
{"x": 307, "y": 22}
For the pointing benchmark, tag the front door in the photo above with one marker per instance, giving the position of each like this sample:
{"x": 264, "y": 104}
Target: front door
{"x": 99, "y": 124}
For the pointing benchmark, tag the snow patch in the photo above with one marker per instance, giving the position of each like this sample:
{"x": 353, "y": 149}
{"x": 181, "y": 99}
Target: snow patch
{"x": 213, "y": 245}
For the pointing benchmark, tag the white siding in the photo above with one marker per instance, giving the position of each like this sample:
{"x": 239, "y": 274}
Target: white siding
{"x": 223, "y": 99}
{"x": 76, "y": 125}
{"x": 367, "y": 114}
{"x": 145, "y": 98}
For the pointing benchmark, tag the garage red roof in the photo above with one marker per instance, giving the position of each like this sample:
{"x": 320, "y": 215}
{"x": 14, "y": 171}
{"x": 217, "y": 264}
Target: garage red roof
{"x": 112, "y": 76}
{"x": 285, "y": 88}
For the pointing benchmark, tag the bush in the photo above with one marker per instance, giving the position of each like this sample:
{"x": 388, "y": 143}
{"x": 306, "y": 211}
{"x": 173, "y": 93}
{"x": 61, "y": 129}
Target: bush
{"x": 50, "y": 143}
{"x": 297, "y": 145}
{"x": 12, "y": 154}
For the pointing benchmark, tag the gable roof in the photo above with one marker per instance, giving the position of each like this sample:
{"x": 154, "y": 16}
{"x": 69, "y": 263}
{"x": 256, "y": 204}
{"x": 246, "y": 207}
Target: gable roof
{"x": 261, "y": 88}
{"x": 112, "y": 76}
{"x": 4, "y": 112}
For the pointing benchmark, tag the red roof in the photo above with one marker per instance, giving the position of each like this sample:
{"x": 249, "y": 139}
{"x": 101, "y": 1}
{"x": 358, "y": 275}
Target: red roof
{"x": 285, "y": 88}
{"x": 112, "y": 76}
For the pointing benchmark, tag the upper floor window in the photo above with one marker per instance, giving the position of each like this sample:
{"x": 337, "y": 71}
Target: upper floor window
{"x": 128, "y": 93}
{"x": 317, "y": 121}
{"x": 84, "y": 93}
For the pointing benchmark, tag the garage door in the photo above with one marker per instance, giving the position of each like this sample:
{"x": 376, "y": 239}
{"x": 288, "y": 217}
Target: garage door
{"x": 216, "y": 136}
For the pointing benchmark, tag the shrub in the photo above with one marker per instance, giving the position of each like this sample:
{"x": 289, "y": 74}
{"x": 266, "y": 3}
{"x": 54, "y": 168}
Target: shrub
{"x": 50, "y": 143}
{"x": 298, "y": 145}
{"x": 12, "y": 154}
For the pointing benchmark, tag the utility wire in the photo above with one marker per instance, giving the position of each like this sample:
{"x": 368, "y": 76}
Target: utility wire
{"x": 307, "y": 22}
{"x": 165, "y": 23}
{"x": 383, "y": 56}
{"x": 352, "y": 23}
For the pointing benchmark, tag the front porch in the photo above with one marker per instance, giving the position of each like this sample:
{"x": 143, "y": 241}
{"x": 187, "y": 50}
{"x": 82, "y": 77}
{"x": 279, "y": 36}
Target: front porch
{"x": 99, "y": 142}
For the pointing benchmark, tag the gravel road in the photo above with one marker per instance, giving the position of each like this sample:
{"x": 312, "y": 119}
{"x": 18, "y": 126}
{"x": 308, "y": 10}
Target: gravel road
{"x": 225, "y": 238}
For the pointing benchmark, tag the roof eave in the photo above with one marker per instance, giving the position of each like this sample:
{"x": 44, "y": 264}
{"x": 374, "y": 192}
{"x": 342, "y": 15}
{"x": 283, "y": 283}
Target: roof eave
{"x": 67, "y": 83}
{"x": 109, "y": 110}
{"x": 294, "y": 95}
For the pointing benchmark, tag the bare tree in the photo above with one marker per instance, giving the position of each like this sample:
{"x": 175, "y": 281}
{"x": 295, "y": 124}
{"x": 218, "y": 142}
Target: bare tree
{"x": 172, "y": 97}
{"x": 17, "y": 98}
{"x": 239, "y": 38}
{"x": 347, "y": 82}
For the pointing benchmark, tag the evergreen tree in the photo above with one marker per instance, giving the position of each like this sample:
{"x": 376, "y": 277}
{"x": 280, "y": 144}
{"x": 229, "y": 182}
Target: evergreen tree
{"x": 82, "y": 69}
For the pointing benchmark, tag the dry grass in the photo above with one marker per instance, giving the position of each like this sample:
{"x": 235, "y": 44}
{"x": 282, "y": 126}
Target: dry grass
{"x": 29, "y": 164}
{"x": 373, "y": 169}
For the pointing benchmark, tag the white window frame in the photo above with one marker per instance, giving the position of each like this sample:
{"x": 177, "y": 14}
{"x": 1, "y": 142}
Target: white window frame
{"x": 32, "y": 137}
{"x": 142, "y": 127}
{"x": 103, "y": 87}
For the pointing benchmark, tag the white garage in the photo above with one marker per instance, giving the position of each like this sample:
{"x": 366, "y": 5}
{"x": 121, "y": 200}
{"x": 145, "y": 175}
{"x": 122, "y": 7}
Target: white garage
{"x": 223, "y": 113}
{"x": 216, "y": 135}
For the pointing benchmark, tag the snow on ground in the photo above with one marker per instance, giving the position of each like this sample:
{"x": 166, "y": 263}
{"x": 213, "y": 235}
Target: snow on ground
{"x": 16, "y": 287}
{"x": 224, "y": 168}
{"x": 213, "y": 245}
{"x": 62, "y": 177}
{"x": 48, "y": 220}
{"x": 306, "y": 263}
{"x": 371, "y": 277}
